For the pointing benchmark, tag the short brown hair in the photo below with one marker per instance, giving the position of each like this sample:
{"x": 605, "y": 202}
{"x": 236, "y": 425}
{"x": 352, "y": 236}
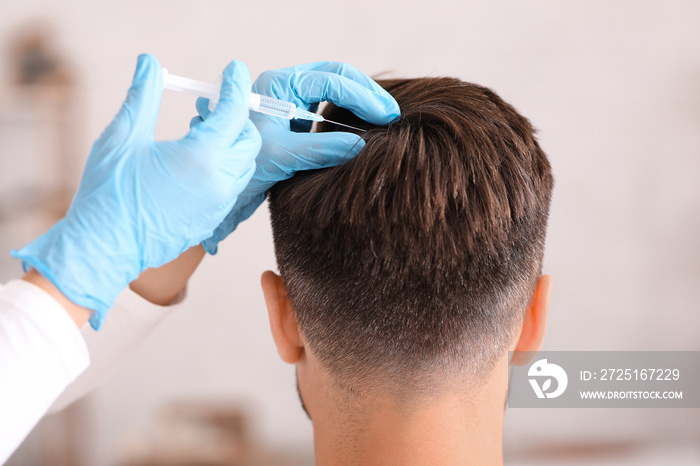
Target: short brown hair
{"x": 420, "y": 255}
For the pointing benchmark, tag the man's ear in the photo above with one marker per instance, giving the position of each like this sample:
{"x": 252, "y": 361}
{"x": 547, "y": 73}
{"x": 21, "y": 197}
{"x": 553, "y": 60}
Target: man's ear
{"x": 283, "y": 324}
{"x": 534, "y": 323}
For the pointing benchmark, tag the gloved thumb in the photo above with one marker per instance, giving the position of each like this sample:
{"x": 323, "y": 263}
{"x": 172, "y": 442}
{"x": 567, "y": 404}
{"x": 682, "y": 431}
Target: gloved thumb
{"x": 139, "y": 112}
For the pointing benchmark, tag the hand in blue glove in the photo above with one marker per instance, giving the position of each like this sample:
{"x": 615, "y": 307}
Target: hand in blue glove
{"x": 141, "y": 203}
{"x": 285, "y": 151}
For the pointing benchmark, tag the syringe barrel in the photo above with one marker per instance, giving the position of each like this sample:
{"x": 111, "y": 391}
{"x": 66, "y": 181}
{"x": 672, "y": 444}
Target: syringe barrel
{"x": 272, "y": 106}
{"x": 258, "y": 103}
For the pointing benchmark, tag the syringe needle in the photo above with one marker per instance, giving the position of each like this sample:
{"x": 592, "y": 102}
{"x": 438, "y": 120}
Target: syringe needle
{"x": 347, "y": 126}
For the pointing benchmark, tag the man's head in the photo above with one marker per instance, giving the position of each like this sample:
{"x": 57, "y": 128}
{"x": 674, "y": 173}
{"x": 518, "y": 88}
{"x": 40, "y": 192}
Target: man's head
{"x": 413, "y": 264}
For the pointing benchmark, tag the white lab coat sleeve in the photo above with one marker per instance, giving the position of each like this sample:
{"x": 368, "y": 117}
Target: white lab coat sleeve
{"x": 128, "y": 324}
{"x": 41, "y": 352}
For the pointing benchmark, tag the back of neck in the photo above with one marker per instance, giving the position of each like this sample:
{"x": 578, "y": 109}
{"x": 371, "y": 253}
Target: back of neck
{"x": 446, "y": 431}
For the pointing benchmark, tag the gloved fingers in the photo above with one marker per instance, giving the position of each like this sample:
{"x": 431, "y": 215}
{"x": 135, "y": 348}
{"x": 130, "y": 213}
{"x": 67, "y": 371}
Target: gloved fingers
{"x": 140, "y": 109}
{"x": 320, "y": 150}
{"x": 202, "y": 107}
{"x": 343, "y": 69}
{"x": 376, "y": 106}
{"x": 226, "y": 122}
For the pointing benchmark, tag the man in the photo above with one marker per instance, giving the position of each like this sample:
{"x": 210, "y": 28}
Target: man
{"x": 408, "y": 273}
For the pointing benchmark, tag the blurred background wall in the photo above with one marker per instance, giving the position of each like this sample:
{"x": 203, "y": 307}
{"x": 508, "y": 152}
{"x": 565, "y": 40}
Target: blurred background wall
{"x": 613, "y": 87}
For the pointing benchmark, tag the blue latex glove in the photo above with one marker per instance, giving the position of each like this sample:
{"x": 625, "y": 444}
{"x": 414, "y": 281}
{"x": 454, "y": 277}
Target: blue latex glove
{"x": 141, "y": 203}
{"x": 285, "y": 151}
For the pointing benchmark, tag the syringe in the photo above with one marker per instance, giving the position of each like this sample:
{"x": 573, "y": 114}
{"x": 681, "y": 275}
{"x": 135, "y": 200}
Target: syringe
{"x": 257, "y": 103}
